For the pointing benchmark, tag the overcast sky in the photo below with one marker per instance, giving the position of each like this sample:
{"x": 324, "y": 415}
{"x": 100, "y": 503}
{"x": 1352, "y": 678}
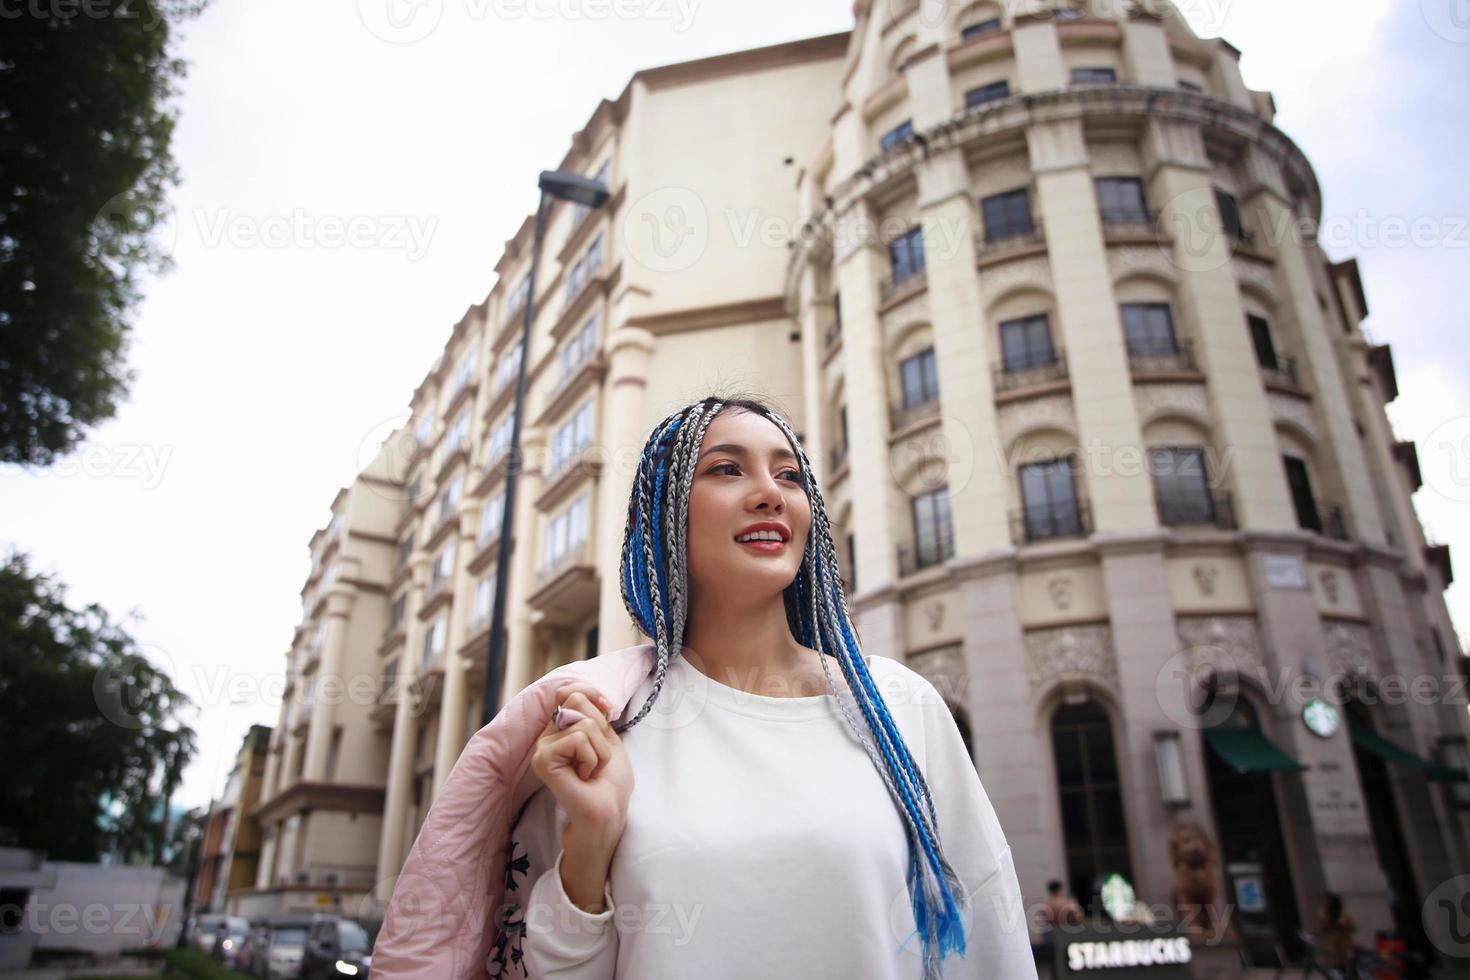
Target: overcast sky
{"x": 273, "y": 355}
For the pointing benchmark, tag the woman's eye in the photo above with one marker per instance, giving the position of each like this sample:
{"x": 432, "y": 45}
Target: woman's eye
{"x": 795, "y": 475}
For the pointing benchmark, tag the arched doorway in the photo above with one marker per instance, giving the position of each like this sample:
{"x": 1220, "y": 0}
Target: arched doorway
{"x": 1095, "y": 834}
{"x": 1404, "y": 899}
{"x": 1240, "y": 763}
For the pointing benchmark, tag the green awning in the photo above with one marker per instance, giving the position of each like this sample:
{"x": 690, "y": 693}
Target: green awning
{"x": 1371, "y": 741}
{"x": 1247, "y": 750}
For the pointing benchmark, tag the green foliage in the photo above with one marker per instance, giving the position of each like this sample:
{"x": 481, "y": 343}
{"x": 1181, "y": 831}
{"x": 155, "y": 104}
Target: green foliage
{"x": 192, "y": 963}
{"x": 94, "y": 739}
{"x": 86, "y": 124}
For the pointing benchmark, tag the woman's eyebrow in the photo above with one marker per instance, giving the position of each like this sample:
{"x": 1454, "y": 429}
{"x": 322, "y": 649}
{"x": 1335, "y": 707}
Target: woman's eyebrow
{"x": 728, "y": 447}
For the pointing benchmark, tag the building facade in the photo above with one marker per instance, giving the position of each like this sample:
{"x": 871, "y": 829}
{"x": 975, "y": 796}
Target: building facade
{"x": 1101, "y": 435}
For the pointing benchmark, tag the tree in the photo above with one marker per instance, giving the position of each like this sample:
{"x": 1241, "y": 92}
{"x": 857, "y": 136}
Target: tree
{"x": 92, "y": 730}
{"x": 86, "y": 124}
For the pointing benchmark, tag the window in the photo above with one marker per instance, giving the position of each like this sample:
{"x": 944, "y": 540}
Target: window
{"x": 491, "y": 516}
{"x": 906, "y": 252}
{"x": 1190, "y": 86}
{"x": 465, "y": 371}
{"x": 571, "y": 438}
{"x": 434, "y": 639}
{"x": 920, "y": 378}
{"x": 1049, "y": 500}
{"x": 851, "y": 564}
{"x": 566, "y": 533}
{"x": 980, "y": 29}
{"x": 458, "y": 433}
{"x": 1091, "y": 797}
{"x": 1149, "y": 329}
{"x": 405, "y": 549}
{"x": 1181, "y": 486}
{"x": 1121, "y": 201}
{"x": 1093, "y": 76}
{"x": 842, "y": 421}
{"x": 334, "y": 750}
{"x": 443, "y": 568}
{"x": 449, "y": 498}
{"x": 584, "y": 268}
{"x": 1230, "y": 217}
{"x": 484, "y": 598}
{"x": 1261, "y": 337}
{"x": 1068, "y": 13}
{"x": 518, "y": 296}
{"x": 395, "y": 612}
{"x": 411, "y": 492}
{"x": 580, "y": 211}
{"x": 1007, "y": 215}
{"x": 896, "y": 135}
{"x": 1026, "y": 343}
{"x": 993, "y": 92}
{"x": 933, "y": 530}
{"x": 505, "y": 371}
{"x": 500, "y": 438}
{"x": 578, "y": 350}
{"x": 1299, "y": 481}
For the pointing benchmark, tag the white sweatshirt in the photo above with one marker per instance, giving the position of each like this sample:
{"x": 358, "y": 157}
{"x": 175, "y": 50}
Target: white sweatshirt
{"x": 762, "y": 843}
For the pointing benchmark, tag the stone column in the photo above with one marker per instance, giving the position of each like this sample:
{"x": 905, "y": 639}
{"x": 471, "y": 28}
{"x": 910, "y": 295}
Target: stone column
{"x": 520, "y": 618}
{"x": 625, "y": 427}
{"x": 1102, "y": 387}
{"x": 1209, "y": 303}
{"x": 392, "y": 846}
{"x": 1039, "y": 65}
{"x": 1146, "y": 51}
{"x": 450, "y": 737}
{"x": 332, "y": 687}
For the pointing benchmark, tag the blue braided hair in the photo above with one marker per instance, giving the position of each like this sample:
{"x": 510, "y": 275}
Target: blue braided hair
{"x": 655, "y": 581}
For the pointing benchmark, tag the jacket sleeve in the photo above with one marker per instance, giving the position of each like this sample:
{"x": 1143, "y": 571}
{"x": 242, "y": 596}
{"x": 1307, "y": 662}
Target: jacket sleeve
{"x": 998, "y": 941}
{"x": 547, "y": 935}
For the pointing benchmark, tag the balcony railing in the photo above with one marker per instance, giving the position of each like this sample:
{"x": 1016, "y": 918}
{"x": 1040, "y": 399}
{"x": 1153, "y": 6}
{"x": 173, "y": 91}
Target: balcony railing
{"x": 1041, "y": 522}
{"x": 1034, "y": 371}
{"x": 1161, "y": 358}
{"x": 1284, "y": 373}
{"x": 914, "y": 558}
{"x": 1131, "y": 221}
{"x": 892, "y": 287}
{"x": 1009, "y": 237}
{"x": 900, "y": 416}
{"x": 1204, "y": 508}
{"x": 1326, "y": 519}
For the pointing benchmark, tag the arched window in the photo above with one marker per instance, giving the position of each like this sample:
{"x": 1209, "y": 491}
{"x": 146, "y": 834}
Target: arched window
{"x": 1093, "y": 828}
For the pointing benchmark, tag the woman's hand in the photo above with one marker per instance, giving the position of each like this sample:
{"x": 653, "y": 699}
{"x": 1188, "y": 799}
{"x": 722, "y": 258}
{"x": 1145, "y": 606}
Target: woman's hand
{"x": 586, "y": 768}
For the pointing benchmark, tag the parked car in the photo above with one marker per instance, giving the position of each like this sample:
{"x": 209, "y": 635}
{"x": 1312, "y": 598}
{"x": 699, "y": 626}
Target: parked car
{"x": 204, "y": 932}
{"x": 336, "y": 948}
{"x": 278, "y": 945}
{"x": 233, "y": 932}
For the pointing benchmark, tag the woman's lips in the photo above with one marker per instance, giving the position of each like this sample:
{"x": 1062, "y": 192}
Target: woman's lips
{"x": 763, "y": 547}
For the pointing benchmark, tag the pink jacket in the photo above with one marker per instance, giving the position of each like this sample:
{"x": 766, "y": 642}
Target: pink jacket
{"x": 442, "y": 921}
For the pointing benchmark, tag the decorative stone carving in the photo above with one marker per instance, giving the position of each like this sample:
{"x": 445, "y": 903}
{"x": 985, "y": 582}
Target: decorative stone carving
{"x": 1204, "y": 577}
{"x": 1052, "y": 412}
{"x": 1286, "y": 408}
{"x": 1153, "y": 400}
{"x": 1226, "y": 643}
{"x": 1330, "y": 588}
{"x": 1060, "y": 590}
{"x": 1255, "y": 274}
{"x": 1071, "y": 652}
{"x": 934, "y": 613}
{"x": 945, "y": 669}
{"x": 1034, "y": 271}
{"x": 1125, "y": 259}
{"x": 1349, "y": 648}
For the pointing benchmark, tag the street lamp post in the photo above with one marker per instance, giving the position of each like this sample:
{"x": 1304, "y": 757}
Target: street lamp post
{"x": 592, "y": 194}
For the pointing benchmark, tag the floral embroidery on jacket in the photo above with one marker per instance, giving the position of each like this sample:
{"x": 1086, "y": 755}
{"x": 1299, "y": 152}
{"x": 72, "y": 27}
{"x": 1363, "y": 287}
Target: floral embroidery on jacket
{"x": 511, "y": 924}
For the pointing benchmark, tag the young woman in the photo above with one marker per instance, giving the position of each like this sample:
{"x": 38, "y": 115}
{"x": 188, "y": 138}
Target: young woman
{"x": 800, "y": 810}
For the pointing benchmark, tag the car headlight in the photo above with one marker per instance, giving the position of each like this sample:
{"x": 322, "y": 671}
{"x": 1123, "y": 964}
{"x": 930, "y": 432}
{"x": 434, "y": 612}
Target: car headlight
{"x": 228, "y": 944}
{"x": 346, "y": 969}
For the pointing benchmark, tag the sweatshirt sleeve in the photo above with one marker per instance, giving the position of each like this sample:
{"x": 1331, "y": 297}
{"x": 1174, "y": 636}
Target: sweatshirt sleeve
{"x": 550, "y": 937}
{"x": 998, "y": 942}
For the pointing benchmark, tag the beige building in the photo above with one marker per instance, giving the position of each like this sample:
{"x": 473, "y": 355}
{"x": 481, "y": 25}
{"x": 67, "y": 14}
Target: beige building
{"x": 1100, "y": 433}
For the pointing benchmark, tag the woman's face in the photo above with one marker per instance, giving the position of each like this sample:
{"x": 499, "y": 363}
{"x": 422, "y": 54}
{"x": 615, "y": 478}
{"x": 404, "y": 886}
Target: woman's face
{"x": 746, "y": 474}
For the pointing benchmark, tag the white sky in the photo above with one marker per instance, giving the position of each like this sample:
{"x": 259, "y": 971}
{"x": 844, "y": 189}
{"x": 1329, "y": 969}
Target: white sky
{"x": 270, "y": 358}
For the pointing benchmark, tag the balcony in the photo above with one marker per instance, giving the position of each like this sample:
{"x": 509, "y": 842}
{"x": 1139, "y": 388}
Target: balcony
{"x": 836, "y": 460}
{"x": 892, "y": 289}
{"x": 1042, "y": 522}
{"x": 1005, "y": 240}
{"x": 916, "y": 558}
{"x": 1029, "y": 374}
{"x": 566, "y": 590}
{"x": 1131, "y": 224}
{"x": 1324, "y": 518}
{"x": 1200, "y": 509}
{"x": 902, "y": 416}
{"x": 1152, "y": 359}
{"x": 1282, "y": 374}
